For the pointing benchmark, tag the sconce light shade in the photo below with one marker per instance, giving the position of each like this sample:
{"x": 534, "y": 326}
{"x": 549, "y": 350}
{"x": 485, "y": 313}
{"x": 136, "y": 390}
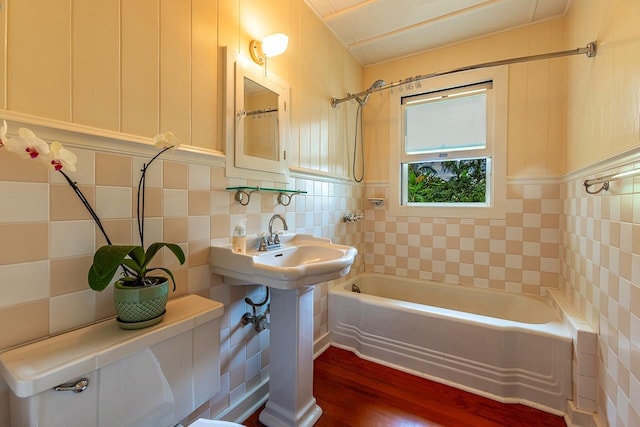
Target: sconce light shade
{"x": 275, "y": 44}
{"x": 271, "y": 45}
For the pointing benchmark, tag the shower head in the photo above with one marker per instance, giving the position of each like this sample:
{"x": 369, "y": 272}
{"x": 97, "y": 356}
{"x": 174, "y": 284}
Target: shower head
{"x": 375, "y": 85}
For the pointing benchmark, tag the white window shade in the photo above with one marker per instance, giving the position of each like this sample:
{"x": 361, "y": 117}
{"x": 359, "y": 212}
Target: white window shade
{"x": 446, "y": 124}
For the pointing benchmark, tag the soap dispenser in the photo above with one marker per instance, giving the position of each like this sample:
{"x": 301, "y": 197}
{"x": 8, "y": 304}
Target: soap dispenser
{"x": 239, "y": 238}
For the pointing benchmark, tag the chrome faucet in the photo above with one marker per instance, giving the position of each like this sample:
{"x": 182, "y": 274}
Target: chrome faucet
{"x": 272, "y": 236}
{"x": 272, "y": 240}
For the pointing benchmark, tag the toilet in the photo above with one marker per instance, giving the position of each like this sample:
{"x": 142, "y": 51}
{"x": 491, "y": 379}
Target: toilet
{"x": 86, "y": 374}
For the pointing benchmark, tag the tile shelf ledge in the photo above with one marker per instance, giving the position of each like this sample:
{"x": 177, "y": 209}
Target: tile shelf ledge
{"x": 243, "y": 194}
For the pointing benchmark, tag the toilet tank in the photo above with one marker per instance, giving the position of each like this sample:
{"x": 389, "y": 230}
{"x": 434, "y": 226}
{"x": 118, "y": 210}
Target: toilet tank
{"x": 153, "y": 377}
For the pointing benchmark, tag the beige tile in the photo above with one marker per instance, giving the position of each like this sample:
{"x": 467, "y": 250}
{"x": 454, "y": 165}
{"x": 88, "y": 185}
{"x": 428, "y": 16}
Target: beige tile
{"x": 624, "y": 265}
{"x": 28, "y": 322}
{"x": 497, "y": 232}
{"x": 199, "y": 253}
{"x": 551, "y": 191}
{"x": 218, "y": 180}
{"x": 220, "y": 226}
{"x": 175, "y": 175}
{"x": 182, "y": 283}
{"x": 69, "y": 274}
{"x": 514, "y": 220}
{"x": 104, "y": 304}
{"x": 531, "y": 263}
{"x": 13, "y": 168}
{"x": 453, "y": 242}
{"x": 550, "y": 221}
{"x": 467, "y": 230}
{"x": 514, "y": 275}
{"x": 65, "y": 204}
{"x": 532, "y": 205}
{"x": 118, "y": 230}
{"x": 482, "y": 245}
{"x": 549, "y": 250}
{"x": 152, "y": 203}
{"x": 113, "y": 169}
{"x": 175, "y": 229}
{"x": 635, "y": 308}
{"x": 466, "y": 257}
{"x": 481, "y": 271}
{"x": 635, "y": 239}
{"x": 531, "y": 289}
{"x": 514, "y": 247}
{"x": 497, "y": 260}
{"x": 614, "y": 234}
{"x": 29, "y": 242}
{"x": 199, "y": 203}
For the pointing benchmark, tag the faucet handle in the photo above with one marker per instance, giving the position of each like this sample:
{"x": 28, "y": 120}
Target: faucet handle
{"x": 263, "y": 242}
{"x": 276, "y": 237}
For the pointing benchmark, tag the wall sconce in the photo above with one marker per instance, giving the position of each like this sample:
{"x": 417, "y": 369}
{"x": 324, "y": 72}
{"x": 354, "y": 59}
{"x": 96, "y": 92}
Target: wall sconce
{"x": 270, "y": 46}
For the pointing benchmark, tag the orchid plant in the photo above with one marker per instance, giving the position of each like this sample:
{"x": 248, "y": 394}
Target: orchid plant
{"x": 133, "y": 259}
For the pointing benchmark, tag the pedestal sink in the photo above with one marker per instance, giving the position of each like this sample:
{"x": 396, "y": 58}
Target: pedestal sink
{"x": 290, "y": 272}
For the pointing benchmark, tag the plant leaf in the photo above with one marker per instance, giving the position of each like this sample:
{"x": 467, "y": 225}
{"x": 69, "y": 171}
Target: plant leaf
{"x": 105, "y": 264}
{"x": 166, "y": 270}
{"x": 99, "y": 283}
{"x": 138, "y": 257}
{"x": 133, "y": 265}
{"x": 155, "y": 247}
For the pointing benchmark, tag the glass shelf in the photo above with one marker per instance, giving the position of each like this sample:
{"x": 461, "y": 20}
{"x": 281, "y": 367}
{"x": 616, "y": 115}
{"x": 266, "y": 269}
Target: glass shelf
{"x": 243, "y": 194}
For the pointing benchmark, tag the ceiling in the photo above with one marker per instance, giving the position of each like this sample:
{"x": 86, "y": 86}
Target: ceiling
{"x": 376, "y": 31}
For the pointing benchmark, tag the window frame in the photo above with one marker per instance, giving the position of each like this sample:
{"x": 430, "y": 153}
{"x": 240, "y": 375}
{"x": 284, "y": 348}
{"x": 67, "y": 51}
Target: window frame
{"x": 496, "y": 147}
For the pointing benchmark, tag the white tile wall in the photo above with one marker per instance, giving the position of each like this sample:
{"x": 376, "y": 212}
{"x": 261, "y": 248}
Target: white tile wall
{"x": 175, "y": 202}
{"x": 21, "y": 283}
{"x": 70, "y": 309}
{"x": 113, "y": 202}
{"x": 17, "y": 208}
{"x": 71, "y": 238}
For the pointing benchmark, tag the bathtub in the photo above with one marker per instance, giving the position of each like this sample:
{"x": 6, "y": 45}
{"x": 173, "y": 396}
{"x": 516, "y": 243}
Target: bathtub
{"x": 508, "y": 347}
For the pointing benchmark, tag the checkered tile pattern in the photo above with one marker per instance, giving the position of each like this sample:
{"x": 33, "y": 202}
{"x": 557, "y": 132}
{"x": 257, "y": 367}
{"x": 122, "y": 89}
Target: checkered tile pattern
{"x": 517, "y": 254}
{"x": 600, "y": 254}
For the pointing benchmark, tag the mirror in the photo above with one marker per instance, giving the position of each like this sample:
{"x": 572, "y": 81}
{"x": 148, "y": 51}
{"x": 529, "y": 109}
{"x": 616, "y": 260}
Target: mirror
{"x": 256, "y": 122}
{"x": 260, "y": 121}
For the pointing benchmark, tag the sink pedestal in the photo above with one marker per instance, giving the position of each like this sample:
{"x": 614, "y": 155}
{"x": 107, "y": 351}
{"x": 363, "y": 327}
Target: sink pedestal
{"x": 291, "y": 402}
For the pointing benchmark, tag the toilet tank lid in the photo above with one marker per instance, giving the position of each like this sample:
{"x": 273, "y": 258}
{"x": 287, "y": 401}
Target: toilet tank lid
{"x": 44, "y": 364}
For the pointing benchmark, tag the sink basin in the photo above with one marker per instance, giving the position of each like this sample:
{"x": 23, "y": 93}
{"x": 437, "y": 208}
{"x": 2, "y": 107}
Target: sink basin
{"x": 302, "y": 260}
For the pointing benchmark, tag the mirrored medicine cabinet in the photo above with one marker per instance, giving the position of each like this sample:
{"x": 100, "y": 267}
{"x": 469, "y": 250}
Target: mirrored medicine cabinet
{"x": 256, "y": 121}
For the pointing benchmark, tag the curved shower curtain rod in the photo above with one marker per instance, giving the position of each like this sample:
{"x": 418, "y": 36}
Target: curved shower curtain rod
{"x": 590, "y": 50}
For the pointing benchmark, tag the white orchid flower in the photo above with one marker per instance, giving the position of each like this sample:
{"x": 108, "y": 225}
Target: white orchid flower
{"x": 27, "y": 144}
{"x": 60, "y": 158}
{"x": 166, "y": 140}
{"x": 3, "y": 133}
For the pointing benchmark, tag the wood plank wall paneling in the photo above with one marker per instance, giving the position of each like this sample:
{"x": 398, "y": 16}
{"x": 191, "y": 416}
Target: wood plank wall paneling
{"x": 204, "y": 68}
{"x": 175, "y": 67}
{"x": 140, "y": 67}
{"x": 39, "y": 70}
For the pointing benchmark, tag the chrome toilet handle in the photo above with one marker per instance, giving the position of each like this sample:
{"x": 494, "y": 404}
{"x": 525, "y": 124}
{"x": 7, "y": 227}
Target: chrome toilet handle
{"x": 77, "y": 386}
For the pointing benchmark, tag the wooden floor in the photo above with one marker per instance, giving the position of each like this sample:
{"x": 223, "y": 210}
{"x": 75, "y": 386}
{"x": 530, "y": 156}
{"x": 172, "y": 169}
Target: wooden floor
{"x": 354, "y": 392}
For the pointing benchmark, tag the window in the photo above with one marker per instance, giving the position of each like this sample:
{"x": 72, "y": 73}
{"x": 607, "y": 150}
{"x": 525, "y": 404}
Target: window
{"x": 448, "y": 145}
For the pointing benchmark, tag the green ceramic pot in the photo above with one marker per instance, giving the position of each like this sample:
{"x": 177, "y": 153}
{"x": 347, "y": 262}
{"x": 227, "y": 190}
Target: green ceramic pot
{"x": 144, "y": 306}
